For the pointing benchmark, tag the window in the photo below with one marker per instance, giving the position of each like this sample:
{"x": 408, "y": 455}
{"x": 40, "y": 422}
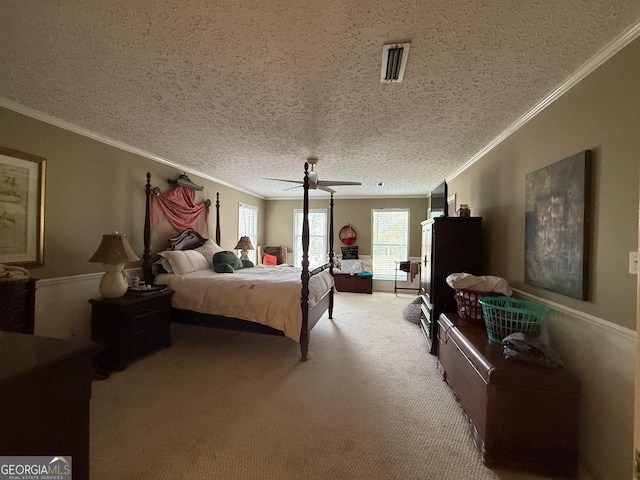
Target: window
{"x": 248, "y": 225}
{"x": 390, "y": 242}
{"x": 317, "y": 238}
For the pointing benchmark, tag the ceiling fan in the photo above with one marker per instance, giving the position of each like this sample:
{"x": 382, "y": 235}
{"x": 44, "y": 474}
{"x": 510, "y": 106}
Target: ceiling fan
{"x": 314, "y": 182}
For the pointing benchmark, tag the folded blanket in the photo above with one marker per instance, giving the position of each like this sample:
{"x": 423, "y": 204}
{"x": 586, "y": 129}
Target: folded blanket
{"x": 11, "y": 273}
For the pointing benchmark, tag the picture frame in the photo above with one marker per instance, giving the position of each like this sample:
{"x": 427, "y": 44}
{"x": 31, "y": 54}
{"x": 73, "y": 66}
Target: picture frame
{"x": 557, "y": 226}
{"x": 22, "y": 188}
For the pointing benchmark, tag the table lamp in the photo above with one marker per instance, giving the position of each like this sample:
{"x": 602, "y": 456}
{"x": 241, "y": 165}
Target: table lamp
{"x": 245, "y": 245}
{"x": 114, "y": 251}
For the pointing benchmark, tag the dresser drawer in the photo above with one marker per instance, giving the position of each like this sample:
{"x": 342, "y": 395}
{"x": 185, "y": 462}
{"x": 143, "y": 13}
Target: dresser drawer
{"x": 17, "y": 304}
{"x": 14, "y": 323}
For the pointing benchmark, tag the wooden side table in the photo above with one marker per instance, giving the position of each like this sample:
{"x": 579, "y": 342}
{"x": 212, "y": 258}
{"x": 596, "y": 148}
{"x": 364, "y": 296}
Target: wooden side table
{"x": 130, "y": 327}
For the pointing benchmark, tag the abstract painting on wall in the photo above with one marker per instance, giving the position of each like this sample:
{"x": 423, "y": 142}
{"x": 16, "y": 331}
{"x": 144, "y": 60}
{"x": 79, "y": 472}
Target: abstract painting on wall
{"x": 557, "y": 214}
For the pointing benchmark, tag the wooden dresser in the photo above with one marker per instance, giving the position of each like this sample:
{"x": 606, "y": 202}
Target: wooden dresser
{"x": 17, "y": 304}
{"x": 45, "y": 387}
{"x": 521, "y": 415}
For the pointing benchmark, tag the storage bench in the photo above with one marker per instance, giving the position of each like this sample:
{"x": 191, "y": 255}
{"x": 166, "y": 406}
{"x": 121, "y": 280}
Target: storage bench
{"x": 521, "y": 415}
{"x": 349, "y": 282}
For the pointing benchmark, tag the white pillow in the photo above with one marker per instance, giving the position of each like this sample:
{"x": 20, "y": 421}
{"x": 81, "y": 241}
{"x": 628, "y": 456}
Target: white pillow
{"x": 186, "y": 261}
{"x": 209, "y": 249}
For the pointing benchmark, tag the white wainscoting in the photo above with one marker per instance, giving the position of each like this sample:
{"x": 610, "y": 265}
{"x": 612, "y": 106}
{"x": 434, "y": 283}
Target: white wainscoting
{"x": 603, "y": 356}
{"x": 62, "y": 305}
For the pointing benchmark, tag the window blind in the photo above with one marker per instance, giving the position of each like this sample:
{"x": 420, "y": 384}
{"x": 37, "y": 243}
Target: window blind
{"x": 248, "y": 225}
{"x": 317, "y": 237}
{"x": 390, "y": 231}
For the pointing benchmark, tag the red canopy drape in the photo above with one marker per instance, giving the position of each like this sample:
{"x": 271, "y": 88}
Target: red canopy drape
{"x": 180, "y": 209}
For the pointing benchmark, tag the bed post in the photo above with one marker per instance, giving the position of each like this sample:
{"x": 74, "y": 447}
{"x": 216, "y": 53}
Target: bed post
{"x": 331, "y": 255}
{"x": 218, "y": 218}
{"x": 146, "y": 255}
{"x": 304, "y": 302}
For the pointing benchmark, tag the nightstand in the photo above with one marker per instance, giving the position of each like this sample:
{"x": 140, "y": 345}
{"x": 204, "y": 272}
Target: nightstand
{"x": 130, "y": 327}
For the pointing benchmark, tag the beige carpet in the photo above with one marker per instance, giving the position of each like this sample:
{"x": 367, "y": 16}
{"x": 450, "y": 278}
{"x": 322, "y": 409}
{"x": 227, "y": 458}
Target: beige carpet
{"x": 369, "y": 404}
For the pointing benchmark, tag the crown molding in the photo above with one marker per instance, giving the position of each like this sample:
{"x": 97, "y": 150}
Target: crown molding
{"x": 586, "y": 69}
{"x": 30, "y": 112}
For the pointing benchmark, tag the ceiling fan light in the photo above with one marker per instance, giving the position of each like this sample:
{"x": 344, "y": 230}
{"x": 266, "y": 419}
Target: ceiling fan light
{"x": 313, "y": 180}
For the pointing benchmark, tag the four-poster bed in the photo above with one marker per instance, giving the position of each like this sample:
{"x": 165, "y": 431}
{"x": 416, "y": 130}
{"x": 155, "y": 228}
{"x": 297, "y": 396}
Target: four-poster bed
{"x": 265, "y": 284}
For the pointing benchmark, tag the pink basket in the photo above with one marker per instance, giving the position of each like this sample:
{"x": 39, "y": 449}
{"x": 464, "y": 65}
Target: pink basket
{"x": 468, "y": 306}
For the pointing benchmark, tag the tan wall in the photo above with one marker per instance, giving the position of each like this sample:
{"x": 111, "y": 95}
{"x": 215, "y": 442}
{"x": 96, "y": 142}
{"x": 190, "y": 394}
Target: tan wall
{"x": 357, "y": 212}
{"x": 601, "y": 113}
{"x": 93, "y": 188}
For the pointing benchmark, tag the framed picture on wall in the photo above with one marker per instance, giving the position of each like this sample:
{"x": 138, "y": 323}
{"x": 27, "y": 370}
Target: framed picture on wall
{"x": 557, "y": 221}
{"x": 22, "y": 179}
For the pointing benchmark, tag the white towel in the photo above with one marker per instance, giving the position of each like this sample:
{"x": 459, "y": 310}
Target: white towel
{"x": 10, "y": 273}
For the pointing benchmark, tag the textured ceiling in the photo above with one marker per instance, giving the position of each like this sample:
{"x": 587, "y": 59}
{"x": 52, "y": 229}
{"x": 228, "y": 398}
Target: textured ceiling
{"x": 237, "y": 91}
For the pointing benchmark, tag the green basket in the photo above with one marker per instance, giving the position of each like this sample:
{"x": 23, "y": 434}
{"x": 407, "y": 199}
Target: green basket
{"x": 506, "y": 315}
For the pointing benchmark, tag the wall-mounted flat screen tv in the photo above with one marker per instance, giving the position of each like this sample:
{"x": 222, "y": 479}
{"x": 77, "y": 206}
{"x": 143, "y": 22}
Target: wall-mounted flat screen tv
{"x": 439, "y": 200}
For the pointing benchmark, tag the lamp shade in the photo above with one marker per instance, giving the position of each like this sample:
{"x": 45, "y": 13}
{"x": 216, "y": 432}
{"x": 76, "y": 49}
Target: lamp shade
{"x": 114, "y": 250}
{"x": 244, "y": 244}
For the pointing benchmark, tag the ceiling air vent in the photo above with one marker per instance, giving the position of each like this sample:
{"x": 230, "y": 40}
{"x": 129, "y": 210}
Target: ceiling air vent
{"x": 394, "y": 61}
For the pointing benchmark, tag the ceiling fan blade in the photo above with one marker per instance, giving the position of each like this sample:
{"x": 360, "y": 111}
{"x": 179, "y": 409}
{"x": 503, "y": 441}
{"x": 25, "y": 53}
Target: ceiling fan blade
{"x": 283, "y": 180}
{"x": 332, "y": 183}
{"x": 326, "y": 189}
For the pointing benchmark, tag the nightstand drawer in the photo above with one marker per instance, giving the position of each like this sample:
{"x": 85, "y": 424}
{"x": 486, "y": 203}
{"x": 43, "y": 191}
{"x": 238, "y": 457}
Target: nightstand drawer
{"x": 156, "y": 319}
{"x": 149, "y": 308}
{"x": 149, "y": 340}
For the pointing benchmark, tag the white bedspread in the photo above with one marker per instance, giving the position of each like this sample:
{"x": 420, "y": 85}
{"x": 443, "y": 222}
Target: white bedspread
{"x": 262, "y": 294}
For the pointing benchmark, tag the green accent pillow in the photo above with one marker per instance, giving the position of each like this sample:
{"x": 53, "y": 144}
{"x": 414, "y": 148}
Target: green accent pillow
{"x": 226, "y": 262}
{"x": 247, "y": 263}
{"x": 223, "y": 268}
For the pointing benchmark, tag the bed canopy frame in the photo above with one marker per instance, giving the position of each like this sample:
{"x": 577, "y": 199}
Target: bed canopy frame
{"x": 186, "y": 239}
